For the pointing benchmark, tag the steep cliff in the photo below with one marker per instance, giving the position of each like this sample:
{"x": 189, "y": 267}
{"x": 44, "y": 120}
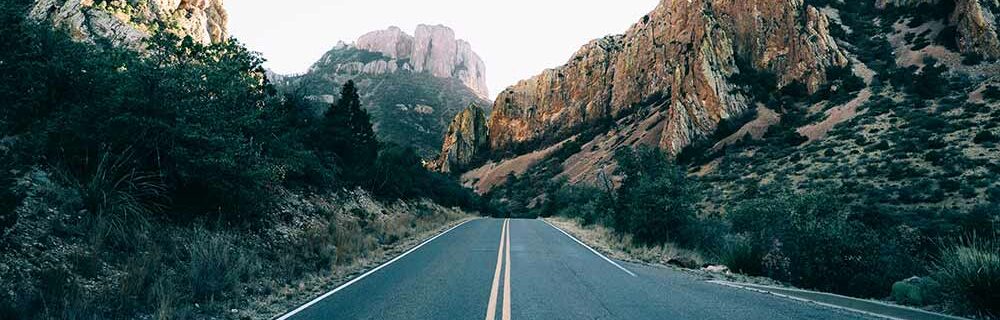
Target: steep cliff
{"x": 467, "y": 137}
{"x": 431, "y": 49}
{"x": 977, "y": 22}
{"x": 677, "y": 60}
{"x": 128, "y": 22}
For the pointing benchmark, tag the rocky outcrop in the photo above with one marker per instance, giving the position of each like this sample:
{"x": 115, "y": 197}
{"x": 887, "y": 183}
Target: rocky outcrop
{"x": 409, "y": 106}
{"x": 466, "y": 138}
{"x": 677, "y": 59}
{"x": 977, "y": 22}
{"x": 128, "y": 22}
{"x": 431, "y": 49}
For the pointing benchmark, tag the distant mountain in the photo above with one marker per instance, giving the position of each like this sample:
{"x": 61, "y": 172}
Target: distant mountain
{"x": 412, "y": 85}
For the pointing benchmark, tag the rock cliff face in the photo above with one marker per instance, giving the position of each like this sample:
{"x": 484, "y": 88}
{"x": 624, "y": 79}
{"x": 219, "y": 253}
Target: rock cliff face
{"x": 977, "y": 22}
{"x": 676, "y": 60}
{"x": 467, "y": 137}
{"x": 431, "y": 49}
{"x": 128, "y": 22}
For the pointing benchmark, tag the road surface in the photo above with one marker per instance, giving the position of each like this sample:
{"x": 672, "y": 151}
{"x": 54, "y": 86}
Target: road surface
{"x": 479, "y": 270}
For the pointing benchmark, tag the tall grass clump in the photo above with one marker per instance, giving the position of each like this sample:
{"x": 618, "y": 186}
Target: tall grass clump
{"x": 119, "y": 198}
{"x": 217, "y": 265}
{"x": 969, "y": 270}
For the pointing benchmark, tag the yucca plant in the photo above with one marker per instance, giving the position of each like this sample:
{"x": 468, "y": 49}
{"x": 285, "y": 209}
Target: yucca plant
{"x": 969, "y": 270}
{"x": 119, "y": 197}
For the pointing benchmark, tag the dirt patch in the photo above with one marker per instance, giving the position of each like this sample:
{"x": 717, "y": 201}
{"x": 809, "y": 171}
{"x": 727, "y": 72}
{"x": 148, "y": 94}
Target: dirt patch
{"x": 756, "y": 129}
{"x": 492, "y": 174}
{"x": 835, "y": 116}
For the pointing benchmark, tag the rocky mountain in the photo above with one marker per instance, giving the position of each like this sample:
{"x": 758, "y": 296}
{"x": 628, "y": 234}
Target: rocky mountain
{"x": 673, "y": 67}
{"x": 894, "y": 102}
{"x": 128, "y": 22}
{"x": 412, "y": 85}
{"x": 431, "y": 49}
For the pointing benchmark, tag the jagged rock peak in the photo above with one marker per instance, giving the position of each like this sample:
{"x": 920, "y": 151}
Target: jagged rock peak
{"x": 466, "y": 139}
{"x": 128, "y": 22}
{"x": 433, "y": 49}
{"x": 675, "y": 63}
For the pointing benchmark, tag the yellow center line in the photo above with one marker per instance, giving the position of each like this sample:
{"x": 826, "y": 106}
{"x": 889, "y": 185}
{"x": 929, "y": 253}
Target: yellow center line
{"x": 506, "y": 279}
{"x": 491, "y": 309}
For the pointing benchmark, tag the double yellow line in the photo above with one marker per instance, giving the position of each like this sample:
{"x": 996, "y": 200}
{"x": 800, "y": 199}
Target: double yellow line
{"x": 503, "y": 263}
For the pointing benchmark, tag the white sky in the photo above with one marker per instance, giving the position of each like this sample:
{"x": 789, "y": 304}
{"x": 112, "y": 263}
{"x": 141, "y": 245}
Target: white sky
{"x": 516, "y": 38}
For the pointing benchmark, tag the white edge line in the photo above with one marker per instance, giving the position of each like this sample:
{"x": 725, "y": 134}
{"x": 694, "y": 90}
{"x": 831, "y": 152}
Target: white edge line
{"x": 868, "y": 313}
{"x": 591, "y": 249}
{"x": 765, "y": 287}
{"x": 358, "y": 278}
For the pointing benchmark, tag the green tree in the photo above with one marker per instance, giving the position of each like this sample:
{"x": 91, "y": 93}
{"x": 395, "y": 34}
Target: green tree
{"x": 346, "y": 134}
{"x": 656, "y": 201}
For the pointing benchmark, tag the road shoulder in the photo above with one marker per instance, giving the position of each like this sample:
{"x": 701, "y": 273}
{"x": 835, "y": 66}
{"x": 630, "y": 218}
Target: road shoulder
{"x": 601, "y": 239}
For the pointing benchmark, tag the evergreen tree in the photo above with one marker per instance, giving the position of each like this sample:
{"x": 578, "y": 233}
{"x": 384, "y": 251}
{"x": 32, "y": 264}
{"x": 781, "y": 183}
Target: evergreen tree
{"x": 346, "y": 134}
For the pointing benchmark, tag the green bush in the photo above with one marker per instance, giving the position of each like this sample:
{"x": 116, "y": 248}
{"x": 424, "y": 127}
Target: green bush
{"x": 969, "y": 270}
{"x": 984, "y": 137}
{"x": 592, "y": 205}
{"x": 741, "y": 255}
{"x": 656, "y": 202}
{"x": 811, "y": 241}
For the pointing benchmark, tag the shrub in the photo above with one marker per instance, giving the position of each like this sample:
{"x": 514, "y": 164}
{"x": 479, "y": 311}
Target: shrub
{"x": 970, "y": 271}
{"x": 984, "y": 137}
{"x": 216, "y": 265}
{"x": 120, "y": 199}
{"x": 656, "y": 201}
{"x": 809, "y": 240}
{"x": 741, "y": 255}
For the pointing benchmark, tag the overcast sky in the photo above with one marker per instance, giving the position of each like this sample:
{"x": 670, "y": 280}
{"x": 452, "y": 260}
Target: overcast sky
{"x": 516, "y": 38}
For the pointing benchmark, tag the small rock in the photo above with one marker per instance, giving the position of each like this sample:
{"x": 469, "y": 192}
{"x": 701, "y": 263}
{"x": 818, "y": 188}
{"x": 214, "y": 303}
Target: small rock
{"x": 716, "y": 269}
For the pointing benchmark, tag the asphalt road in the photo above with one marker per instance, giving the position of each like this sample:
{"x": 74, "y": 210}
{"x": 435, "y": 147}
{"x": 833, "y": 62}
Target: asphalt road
{"x": 469, "y": 271}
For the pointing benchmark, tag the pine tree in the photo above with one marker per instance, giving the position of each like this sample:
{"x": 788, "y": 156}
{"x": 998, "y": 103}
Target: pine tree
{"x": 364, "y": 146}
{"x": 346, "y": 135}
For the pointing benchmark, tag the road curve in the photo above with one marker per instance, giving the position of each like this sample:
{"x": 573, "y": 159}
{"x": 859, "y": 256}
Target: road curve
{"x": 534, "y": 271}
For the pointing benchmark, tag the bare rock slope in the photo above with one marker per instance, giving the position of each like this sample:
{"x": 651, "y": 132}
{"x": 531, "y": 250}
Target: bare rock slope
{"x": 672, "y": 68}
{"x": 128, "y": 22}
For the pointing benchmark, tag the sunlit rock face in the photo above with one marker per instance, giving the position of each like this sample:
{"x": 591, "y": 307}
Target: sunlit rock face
{"x": 432, "y": 49}
{"x": 467, "y": 137}
{"x": 128, "y": 22}
{"x": 977, "y": 22}
{"x": 674, "y": 63}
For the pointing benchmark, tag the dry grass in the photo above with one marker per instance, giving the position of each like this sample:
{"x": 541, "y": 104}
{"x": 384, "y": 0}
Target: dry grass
{"x": 622, "y": 247}
{"x": 202, "y": 269}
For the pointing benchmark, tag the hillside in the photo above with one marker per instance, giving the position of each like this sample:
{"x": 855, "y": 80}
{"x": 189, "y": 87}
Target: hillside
{"x": 872, "y": 121}
{"x": 163, "y": 177}
{"x": 906, "y": 96}
{"x": 411, "y": 89}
